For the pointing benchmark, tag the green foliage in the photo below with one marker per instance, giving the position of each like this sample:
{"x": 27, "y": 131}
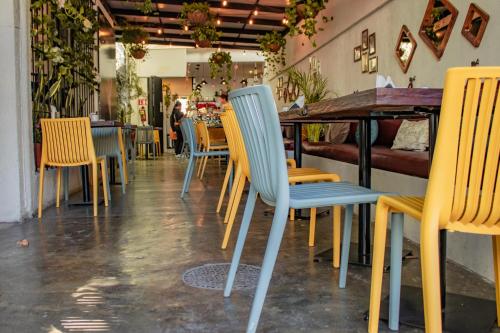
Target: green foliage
{"x": 275, "y": 59}
{"x": 62, "y": 46}
{"x": 311, "y": 84}
{"x": 188, "y": 8}
{"x": 309, "y": 9}
{"x": 128, "y": 87}
{"x": 135, "y": 39}
{"x": 221, "y": 64}
{"x": 205, "y": 33}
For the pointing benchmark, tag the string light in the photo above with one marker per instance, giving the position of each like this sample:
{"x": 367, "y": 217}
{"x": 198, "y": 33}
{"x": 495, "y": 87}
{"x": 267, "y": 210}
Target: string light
{"x": 218, "y": 20}
{"x": 224, "y": 3}
{"x": 285, "y": 20}
{"x": 160, "y": 31}
{"x": 186, "y": 28}
{"x": 250, "y": 21}
{"x": 256, "y": 12}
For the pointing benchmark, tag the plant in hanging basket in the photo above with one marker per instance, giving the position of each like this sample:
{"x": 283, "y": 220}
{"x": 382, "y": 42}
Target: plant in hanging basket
{"x": 138, "y": 51}
{"x": 205, "y": 35}
{"x": 197, "y": 13}
{"x": 221, "y": 65}
{"x": 134, "y": 35}
{"x": 272, "y": 45}
{"x": 305, "y": 11}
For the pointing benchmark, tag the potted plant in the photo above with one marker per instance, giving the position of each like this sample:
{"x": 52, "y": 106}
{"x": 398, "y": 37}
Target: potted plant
{"x": 306, "y": 11}
{"x": 220, "y": 63}
{"x": 272, "y": 45}
{"x": 205, "y": 35}
{"x": 135, "y": 40}
{"x": 196, "y": 13}
{"x": 313, "y": 86}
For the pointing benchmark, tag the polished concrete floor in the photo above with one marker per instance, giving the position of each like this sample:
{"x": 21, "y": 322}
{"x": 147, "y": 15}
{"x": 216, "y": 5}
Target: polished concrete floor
{"x": 121, "y": 271}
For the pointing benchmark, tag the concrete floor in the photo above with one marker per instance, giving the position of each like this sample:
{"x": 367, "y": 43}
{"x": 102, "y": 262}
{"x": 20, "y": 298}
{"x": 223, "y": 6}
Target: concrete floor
{"x": 121, "y": 272}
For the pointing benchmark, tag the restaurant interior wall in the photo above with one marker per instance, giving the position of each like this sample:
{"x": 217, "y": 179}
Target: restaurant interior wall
{"x": 385, "y": 18}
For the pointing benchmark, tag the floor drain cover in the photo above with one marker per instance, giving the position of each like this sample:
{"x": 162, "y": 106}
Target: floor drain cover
{"x": 213, "y": 276}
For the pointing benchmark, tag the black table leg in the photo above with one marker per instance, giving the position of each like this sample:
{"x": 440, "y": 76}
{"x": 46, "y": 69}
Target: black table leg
{"x": 364, "y": 170}
{"x": 112, "y": 175}
{"x": 84, "y": 171}
{"x": 297, "y": 144}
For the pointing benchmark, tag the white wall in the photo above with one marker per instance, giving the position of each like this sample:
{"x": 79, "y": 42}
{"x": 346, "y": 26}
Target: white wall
{"x": 385, "y": 18}
{"x": 163, "y": 62}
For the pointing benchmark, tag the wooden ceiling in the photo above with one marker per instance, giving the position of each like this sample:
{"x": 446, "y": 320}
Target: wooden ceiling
{"x": 164, "y": 27}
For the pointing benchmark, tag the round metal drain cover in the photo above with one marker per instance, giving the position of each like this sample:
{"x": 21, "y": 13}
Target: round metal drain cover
{"x": 213, "y": 276}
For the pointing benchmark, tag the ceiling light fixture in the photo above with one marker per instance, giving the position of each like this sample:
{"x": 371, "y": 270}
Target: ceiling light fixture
{"x": 186, "y": 28}
{"x": 224, "y": 3}
{"x": 256, "y": 12}
{"x": 160, "y": 31}
{"x": 218, "y": 20}
{"x": 285, "y": 20}
{"x": 250, "y": 21}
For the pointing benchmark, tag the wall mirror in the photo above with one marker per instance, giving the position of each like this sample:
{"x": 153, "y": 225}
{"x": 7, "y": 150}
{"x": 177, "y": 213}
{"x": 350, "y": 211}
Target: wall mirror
{"x": 437, "y": 24}
{"x": 405, "y": 48}
{"x": 475, "y": 24}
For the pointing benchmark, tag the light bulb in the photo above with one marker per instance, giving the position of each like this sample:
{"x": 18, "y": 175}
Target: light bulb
{"x": 256, "y": 12}
{"x": 218, "y": 21}
{"x": 186, "y": 28}
{"x": 250, "y": 21}
{"x": 224, "y": 3}
{"x": 160, "y": 31}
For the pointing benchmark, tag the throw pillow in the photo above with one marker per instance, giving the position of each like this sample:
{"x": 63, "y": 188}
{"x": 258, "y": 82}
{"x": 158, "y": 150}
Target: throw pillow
{"x": 412, "y": 135}
{"x": 337, "y": 132}
{"x": 373, "y": 132}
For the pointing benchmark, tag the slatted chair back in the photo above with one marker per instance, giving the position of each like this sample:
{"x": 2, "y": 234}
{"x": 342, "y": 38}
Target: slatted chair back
{"x": 188, "y": 132}
{"x": 106, "y": 141}
{"x": 67, "y": 142}
{"x": 144, "y": 135}
{"x": 257, "y": 117}
{"x": 233, "y": 153}
{"x": 239, "y": 144}
{"x": 464, "y": 184}
{"x": 200, "y": 138}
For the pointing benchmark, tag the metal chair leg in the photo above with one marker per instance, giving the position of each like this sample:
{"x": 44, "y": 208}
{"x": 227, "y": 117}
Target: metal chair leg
{"x": 346, "y": 244}
{"x": 397, "y": 224}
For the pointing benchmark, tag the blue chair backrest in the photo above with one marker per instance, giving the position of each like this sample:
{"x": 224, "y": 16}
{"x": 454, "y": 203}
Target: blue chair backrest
{"x": 106, "y": 141}
{"x": 144, "y": 134}
{"x": 187, "y": 129}
{"x": 259, "y": 123}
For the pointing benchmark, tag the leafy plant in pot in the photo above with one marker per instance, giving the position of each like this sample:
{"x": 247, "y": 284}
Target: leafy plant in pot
{"x": 313, "y": 87}
{"x": 135, "y": 40}
{"x": 220, "y": 64}
{"x": 197, "y": 13}
{"x": 305, "y": 11}
{"x": 205, "y": 35}
{"x": 272, "y": 45}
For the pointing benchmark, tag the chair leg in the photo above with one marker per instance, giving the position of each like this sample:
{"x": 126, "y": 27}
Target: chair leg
{"x": 95, "y": 185}
{"x": 273, "y": 245}
{"x": 381, "y": 213}
{"x": 292, "y": 214}
{"x": 232, "y": 195}
{"x": 224, "y": 185}
{"x": 58, "y": 188}
{"x": 40, "y": 189}
{"x": 121, "y": 168}
{"x": 105, "y": 184}
{"x": 200, "y": 159}
{"x": 431, "y": 285}
{"x": 336, "y": 235}
{"x": 204, "y": 166}
{"x": 245, "y": 223}
{"x": 185, "y": 185}
{"x": 234, "y": 209}
{"x": 312, "y": 226}
{"x": 397, "y": 227}
{"x": 496, "y": 265}
{"x": 154, "y": 152}
{"x": 346, "y": 244}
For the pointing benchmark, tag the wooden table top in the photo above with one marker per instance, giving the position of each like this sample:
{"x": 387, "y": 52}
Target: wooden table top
{"x": 368, "y": 102}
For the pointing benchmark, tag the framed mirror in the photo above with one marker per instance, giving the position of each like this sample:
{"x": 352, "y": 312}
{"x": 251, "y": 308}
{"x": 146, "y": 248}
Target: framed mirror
{"x": 437, "y": 25}
{"x": 405, "y": 48}
{"x": 475, "y": 24}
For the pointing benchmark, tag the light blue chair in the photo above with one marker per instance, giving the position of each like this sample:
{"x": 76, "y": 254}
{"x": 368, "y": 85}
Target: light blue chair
{"x": 106, "y": 144}
{"x": 187, "y": 129}
{"x": 258, "y": 119}
{"x": 144, "y": 138}
{"x": 129, "y": 140}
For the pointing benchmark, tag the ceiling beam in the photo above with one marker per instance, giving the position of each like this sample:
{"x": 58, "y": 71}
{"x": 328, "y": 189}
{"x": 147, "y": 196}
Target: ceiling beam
{"x": 188, "y": 37}
{"x": 191, "y": 44}
{"x": 242, "y": 20}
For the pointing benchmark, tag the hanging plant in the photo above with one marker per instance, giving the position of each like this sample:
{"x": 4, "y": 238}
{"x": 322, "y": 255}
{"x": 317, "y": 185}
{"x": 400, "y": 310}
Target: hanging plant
{"x": 135, "y": 40}
{"x": 220, "y": 65}
{"x": 205, "y": 35}
{"x": 128, "y": 88}
{"x": 197, "y": 13}
{"x": 305, "y": 11}
{"x": 272, "y": 45}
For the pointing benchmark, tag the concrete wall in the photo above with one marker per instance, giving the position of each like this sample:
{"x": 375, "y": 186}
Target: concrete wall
{"x": 385, "y": 18}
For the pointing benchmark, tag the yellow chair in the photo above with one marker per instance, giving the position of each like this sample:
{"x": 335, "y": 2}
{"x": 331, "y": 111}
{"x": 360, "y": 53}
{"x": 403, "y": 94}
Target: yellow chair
{"x": 463, "y": 193}
{"x": 207, "y": 145}
{"x": 156, "y": 139}
{"x": 68, "y": 143}
{"x": 295, "y": 175}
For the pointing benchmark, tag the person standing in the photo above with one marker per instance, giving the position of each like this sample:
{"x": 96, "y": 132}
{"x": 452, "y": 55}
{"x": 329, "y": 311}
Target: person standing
{"x": 175, "y": 124}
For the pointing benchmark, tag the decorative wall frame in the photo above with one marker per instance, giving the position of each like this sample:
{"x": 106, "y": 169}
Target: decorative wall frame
{"x": 364, "y": 62}
{"x": 364, "y": 39}
{"x": 405, "y": 48}
{"x": 475, "y": 24}
{"x": 357, "y": 53}
{"x": 373, "y": 64}
{"x": 372, "y": 46}
{"x": 437, "y": 25}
